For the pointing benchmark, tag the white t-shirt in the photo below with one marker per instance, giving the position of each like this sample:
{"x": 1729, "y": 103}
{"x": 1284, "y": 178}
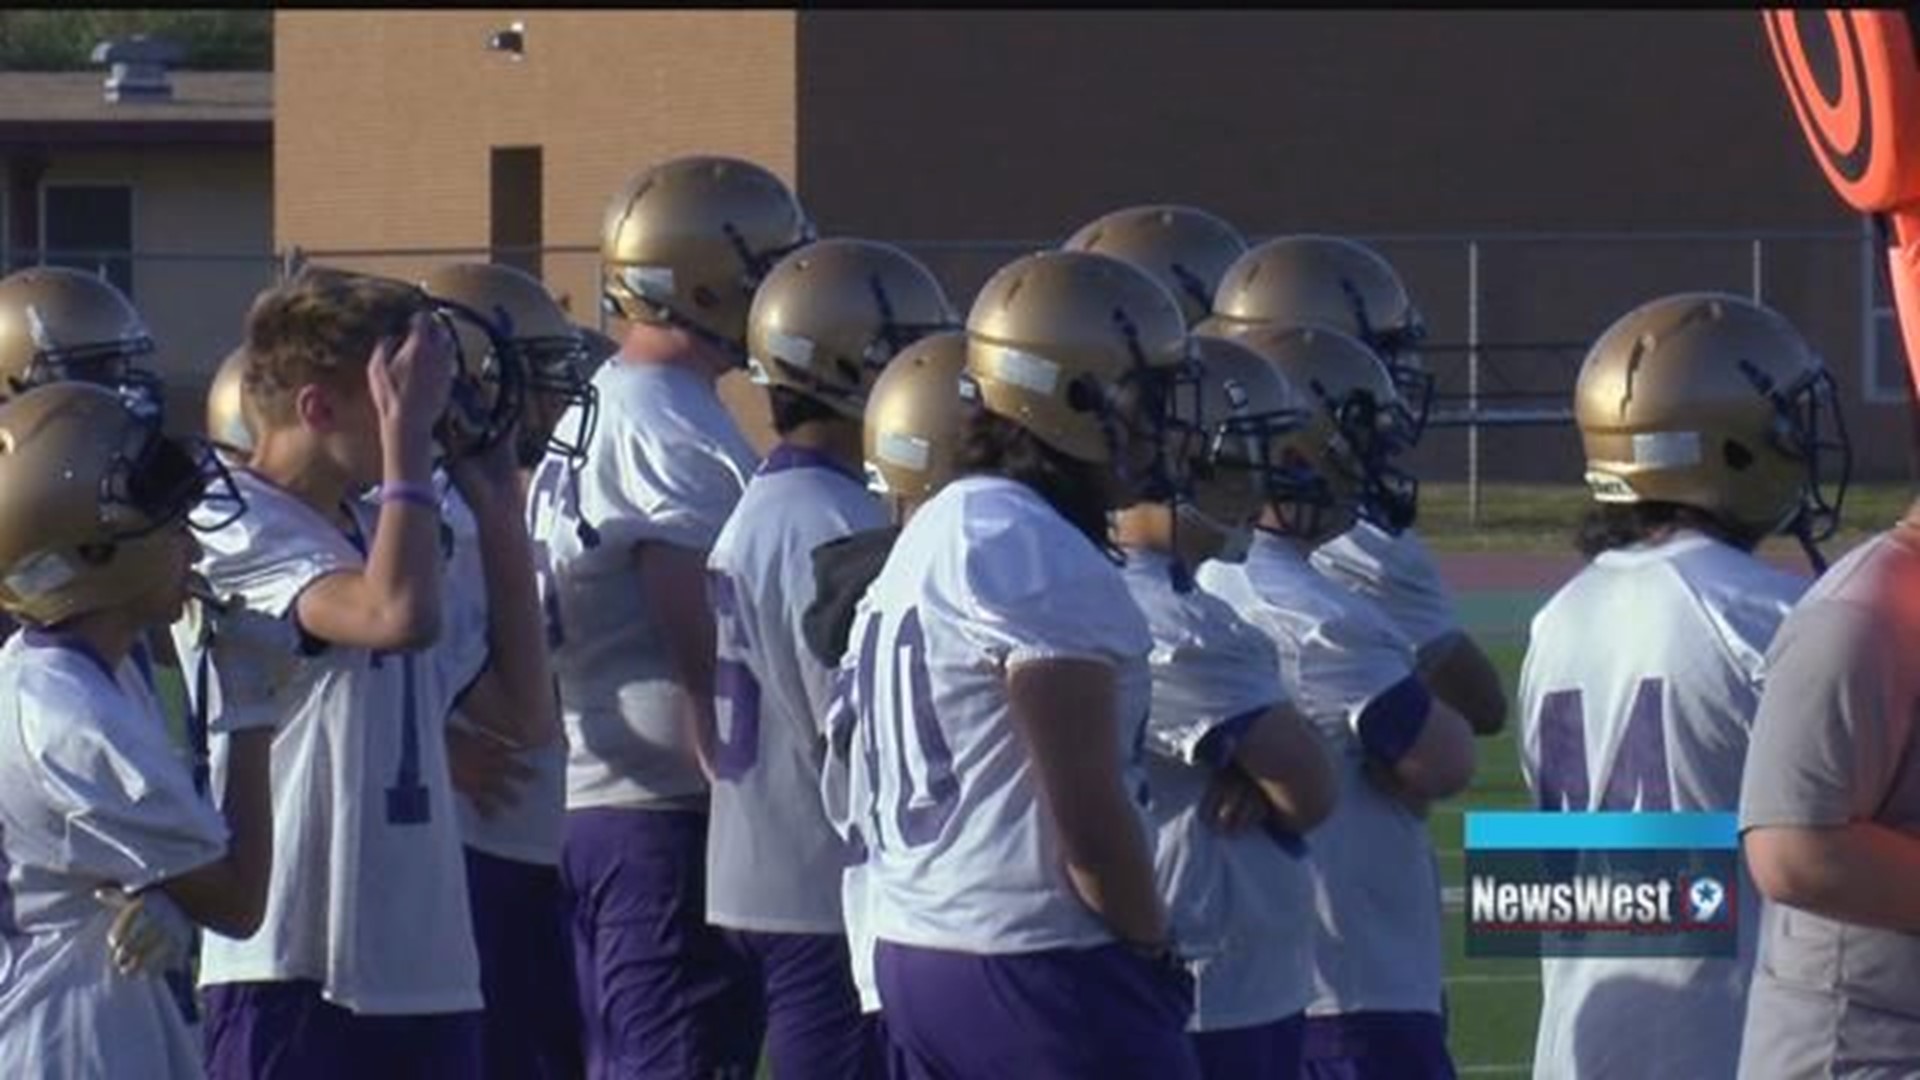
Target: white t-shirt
{"x": 92, "y": 793}
{"x": 1397, "y": 573}
{"x": 1638, "y": 692}
{"x": 530, "y": 830}
{"x": 666, "y": 465}
{"x": 985, "y": 577}
{"x": 368, "y": 893}
{"x": 773, "y": 859}
{"x": 1377, "y": 938}
{"x": 1241, "y": 904}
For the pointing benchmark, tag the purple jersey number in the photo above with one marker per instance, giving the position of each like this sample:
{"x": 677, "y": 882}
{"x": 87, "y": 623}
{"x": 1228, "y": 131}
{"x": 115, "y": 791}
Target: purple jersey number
{"x": 918, "y": 814}
{"x": 1638, "y": 773}
{"x": 407, "y": 800}
{"x": 737, "y": 742}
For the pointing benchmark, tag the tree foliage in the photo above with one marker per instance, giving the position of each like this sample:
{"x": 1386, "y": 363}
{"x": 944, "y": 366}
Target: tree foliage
{"x": 64, "y": 40}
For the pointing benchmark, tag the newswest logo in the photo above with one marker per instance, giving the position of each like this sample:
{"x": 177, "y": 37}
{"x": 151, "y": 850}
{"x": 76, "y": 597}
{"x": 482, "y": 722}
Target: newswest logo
{"x": 1601, "y": 884}
{"x": 1597, "y": 902}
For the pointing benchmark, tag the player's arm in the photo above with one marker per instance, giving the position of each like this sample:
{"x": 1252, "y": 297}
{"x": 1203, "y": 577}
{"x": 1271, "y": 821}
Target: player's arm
{"x": 674, "y": 581}
{"x": 1419, "y": 745}
{"x": 514, "y": 695}
{"x": 229, "y": 895}
{"x": 1064, "y": 710}
{"x": 1861, "y": 872}
{"x": 1287, "y": 759}
{"x": 1822, "y": 760}
{"x": 393, "y": 603}
{"x": 1458, "y": 672}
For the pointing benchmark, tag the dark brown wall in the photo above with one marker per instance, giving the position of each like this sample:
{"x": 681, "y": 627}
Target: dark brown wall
{"x": 956, "y": 126}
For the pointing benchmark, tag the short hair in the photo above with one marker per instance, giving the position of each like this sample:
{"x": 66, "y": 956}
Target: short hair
{"x": 321, "y": 327}
{"x": 1607, "y": 526}
{"x": 791, "y": 409}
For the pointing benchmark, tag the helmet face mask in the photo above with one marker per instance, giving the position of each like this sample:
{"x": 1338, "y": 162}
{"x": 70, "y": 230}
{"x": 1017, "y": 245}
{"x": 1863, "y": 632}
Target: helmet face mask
{"x": 95, "y": 497}
{"x": 1812, "y": 429}
{"x": 556, "y": 384}
{"x": 489, "y": 380}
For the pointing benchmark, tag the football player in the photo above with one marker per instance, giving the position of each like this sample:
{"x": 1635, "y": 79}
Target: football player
{"x": 96, "y": 805}
{"x": 513, "y": 805}
{"x": 1185, "y": 249}
{"x": 1000, "y": 696}
{"x": 1337, "y": 283}
{"x": 1376, "y": 1008}
{"x": 824, "y": 323}
{"x": 365, "y": 961}
{"x": 1240, "y": 898}
{"x": 1690, "y": 413}
{"x": 910, "y": 440}
{"x": 624, "y": 552}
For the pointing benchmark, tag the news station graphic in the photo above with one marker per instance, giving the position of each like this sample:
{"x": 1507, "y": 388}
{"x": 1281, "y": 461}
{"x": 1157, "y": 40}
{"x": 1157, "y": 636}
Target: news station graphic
{"x": 1602, "y": 884}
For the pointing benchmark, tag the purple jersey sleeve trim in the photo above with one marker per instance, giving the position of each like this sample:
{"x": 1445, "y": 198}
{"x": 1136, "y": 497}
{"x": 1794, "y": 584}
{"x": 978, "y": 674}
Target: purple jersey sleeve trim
{"x": 1217, "y": 747}
{"x": 1391, "y": 723}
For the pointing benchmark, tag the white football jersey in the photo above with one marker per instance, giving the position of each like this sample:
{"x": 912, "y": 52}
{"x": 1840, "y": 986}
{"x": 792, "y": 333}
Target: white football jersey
{"x": 1377, "y": 938}
{"x": 92, "y": 793}
{"x": 530, "y": 830}
{"x": 836, "y": 797}
{"x": 773, "y": 859}
{"x": 667, "y": 464}
{"x": 1241, "y": 904}
{"x": 985, "y": 577}
{"x": 1638, "y": 692}
{"x": 368, "y": 893}
{"x": 1396, "y": 572}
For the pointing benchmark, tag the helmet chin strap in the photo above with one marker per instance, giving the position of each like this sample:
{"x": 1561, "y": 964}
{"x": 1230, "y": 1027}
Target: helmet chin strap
{"x": 1803, "y": 532}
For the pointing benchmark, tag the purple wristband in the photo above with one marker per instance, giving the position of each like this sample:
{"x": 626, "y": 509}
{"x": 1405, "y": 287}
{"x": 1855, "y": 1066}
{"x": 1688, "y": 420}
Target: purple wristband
{"x": 416, "y": 494}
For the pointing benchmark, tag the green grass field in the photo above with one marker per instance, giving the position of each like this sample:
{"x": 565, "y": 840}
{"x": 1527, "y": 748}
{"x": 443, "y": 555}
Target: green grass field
{"x": 1494, "y": 1004}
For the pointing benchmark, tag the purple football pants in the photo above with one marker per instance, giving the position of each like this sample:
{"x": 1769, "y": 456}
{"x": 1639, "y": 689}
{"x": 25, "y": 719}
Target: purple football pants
{"x": 815, "y": 1030}
{"x": 531, "y": 1027}
{"x": 1378, "y": 1046}
{"x": 661, "y": 992}
{"x": 287, "y": 1031}
{"x": 1268, "y": 1051}
{"x": 1101, "y": 1013}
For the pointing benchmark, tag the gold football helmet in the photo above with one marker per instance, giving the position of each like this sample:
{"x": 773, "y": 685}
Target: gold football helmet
{"x": 1186, "y": 250}
{"x": 831, "y": 315}
{"x": 1355, "y": 428}
{"x": 1241, "y": 438}
{"x": 59, "y": 324}
{"x": 687, "y": 241}
{"x": 912, "y": 433}
{"x": 1337, "y": 283}
{"x": 1082, "y": 350}
{"x": 1712, "y": 401}
{"x": 229, "y": 424}
{"x": 87, "y": 489}
{"x": 546, "y": 347}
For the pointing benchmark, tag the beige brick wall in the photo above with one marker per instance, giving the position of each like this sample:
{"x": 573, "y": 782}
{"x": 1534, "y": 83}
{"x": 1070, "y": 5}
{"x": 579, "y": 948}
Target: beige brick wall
{"x": 384, "y": 122}
{"x": 211, "y": 200}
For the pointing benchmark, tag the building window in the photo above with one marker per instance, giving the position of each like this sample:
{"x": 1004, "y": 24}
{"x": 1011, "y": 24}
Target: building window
{"x": 515, "y": 185}
{"x": 89, "y": 227}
